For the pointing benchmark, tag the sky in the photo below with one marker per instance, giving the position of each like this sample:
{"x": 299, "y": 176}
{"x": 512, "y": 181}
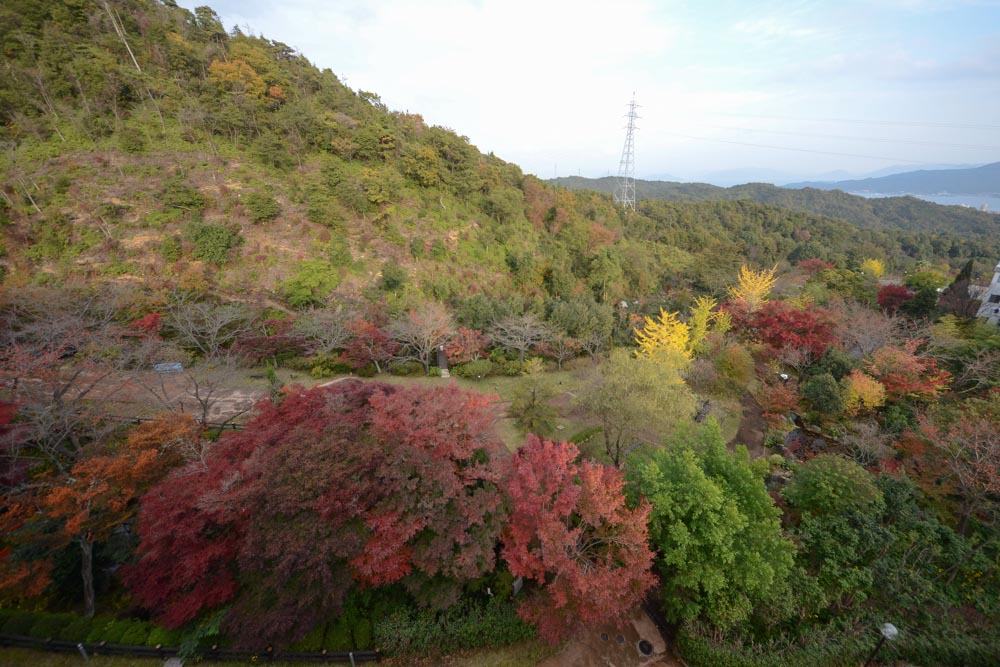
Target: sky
{"x": 728, "y": 91}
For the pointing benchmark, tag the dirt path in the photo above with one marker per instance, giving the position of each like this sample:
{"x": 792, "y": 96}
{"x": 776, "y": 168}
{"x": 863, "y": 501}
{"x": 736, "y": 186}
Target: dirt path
{"x": 752, "y": 427}
{"x": 610, "y": 646}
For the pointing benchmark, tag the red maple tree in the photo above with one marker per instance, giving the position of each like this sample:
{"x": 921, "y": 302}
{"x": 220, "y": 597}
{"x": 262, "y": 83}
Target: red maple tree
{"x": 352, "y": 484}
{"x": 571, "y": 533}
{"x": 368, "y": 344}
{"x": 467, "y": 345}
{"x": 891, "y": 297}
{"x": 780, "y": 325}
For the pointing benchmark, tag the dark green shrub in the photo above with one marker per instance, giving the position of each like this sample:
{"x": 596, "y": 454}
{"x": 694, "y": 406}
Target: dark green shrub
{"x": 181, "y": 195}
{"x": 96, "y": 631}
{"x": 417, "y": 247}
{"x": 77, "y": 630}
{"x": 512, "y": 368}
{"x": 824, "y": 395}
{"x": 467, "y": 625}
{"x": 115, "y": 630}
{"x": 363, "y": 634}
{"x": 136, "y": 633}
{"x": 832, "y": 484}
{"x": 313, "y": 641}
{"x": 260, "y": 206}
{"x": 393, "y": 277}
{"x": 49, "y": 626}
{"x": 826, "y": 649}
{"x": 163, "y": 637}
{"x": 338, "y": 636}
{"x": 19, "y": 623}
{"x": 212, "y": 242}
{"x": 946, "y": 648}
{"x": 272, "y": 150}
{"x": 474, "y": 370}
{"x": 339, "y": 252}
{"x": 407, "y": 369}
{"x": 366, "y": 371}
{"x": 324, "y": 210}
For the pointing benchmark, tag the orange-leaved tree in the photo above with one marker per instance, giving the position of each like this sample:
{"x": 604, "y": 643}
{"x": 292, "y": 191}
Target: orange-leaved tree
{"x": 102, "y": 492}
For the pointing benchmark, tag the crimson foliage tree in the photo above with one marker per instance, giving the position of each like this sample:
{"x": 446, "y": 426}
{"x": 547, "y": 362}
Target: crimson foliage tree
{"x": 352, "y": 484}
{"x": 781, "y": 325}
{"x": 891, "y": 297}
{"x": 571, "y": 533}
{"x": 368, "y": 344}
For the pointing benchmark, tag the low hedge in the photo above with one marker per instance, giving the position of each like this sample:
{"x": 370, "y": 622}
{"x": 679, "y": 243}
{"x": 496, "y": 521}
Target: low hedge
{"x": 49, "y": 626}
{"x": 19, "y": 623}
{"x": 467, "y": 625}
{"x": 942, "y": 647}
{"x": 832, "y": 652}
{"x": 474, "y": 370}
{"x": 74, "y": 628}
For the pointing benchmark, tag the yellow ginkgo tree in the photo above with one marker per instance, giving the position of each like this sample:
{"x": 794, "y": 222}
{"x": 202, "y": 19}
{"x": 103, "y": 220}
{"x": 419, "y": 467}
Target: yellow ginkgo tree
{"x": 670, "y": 340}
{"x": 753, "y": 287}
{"x": 664, "y": 338}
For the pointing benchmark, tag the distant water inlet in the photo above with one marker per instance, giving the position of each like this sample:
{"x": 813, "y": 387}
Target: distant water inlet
{"x": 991, "y": 201}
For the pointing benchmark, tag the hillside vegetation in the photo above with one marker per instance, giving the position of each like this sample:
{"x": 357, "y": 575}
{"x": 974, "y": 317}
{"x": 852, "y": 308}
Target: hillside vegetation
{"x": 908, "y": 214}
{"x": 145, "y": 144}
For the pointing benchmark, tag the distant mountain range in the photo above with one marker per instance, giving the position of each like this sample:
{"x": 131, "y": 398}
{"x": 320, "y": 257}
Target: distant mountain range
{"x": 983, "y": 180}
{"x": 886, "y": 213}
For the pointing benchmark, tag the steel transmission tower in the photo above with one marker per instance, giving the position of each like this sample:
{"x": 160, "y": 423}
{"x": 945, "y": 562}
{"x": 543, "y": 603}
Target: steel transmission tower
{"x": 625, "y": 189}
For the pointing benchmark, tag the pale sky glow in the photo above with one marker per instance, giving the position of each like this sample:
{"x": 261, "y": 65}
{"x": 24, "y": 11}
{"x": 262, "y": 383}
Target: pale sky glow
{"x": 852, "y": 85}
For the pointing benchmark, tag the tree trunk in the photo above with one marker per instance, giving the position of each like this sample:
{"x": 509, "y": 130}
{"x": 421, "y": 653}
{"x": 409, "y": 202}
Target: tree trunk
{"x": 87, "y": 572}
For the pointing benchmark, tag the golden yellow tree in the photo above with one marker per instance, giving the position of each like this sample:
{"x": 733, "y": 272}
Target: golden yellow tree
{"x": 704, "y": 319}
{"x": 753, "y": 287}
{"x": 862, "y": 393}
{"x": 665, "y": 339}
{"x": 873, "y": 267}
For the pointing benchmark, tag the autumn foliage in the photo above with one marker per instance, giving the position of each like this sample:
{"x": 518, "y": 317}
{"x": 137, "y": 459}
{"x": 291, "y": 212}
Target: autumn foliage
{"x": 350, "y": 485}
{"x": 572, "y": 535}
{"x": 891, "y": 297}
{"x": 753, "y": 286}
{"x": 102, "y": 491}
{"x": 780, "y": 325}
{"x": 905, "y": 373}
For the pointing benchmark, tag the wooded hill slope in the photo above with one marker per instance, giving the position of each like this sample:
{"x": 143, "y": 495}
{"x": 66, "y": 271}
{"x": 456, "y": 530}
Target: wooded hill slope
{"x": 904, "y": 213}
{"x": 145, "y": 144}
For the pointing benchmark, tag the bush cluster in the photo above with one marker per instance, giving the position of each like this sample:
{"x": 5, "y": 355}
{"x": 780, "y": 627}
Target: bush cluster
{"x": 260, "y": 206}
{"x": 410, "y": 631}
{"x": 70, "y": 627}
{"x": 212, "y": 242}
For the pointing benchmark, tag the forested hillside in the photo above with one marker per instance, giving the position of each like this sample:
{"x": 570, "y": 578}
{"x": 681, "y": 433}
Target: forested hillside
{"x": 907, "y": 214}
{"x": 145, "y": 144}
